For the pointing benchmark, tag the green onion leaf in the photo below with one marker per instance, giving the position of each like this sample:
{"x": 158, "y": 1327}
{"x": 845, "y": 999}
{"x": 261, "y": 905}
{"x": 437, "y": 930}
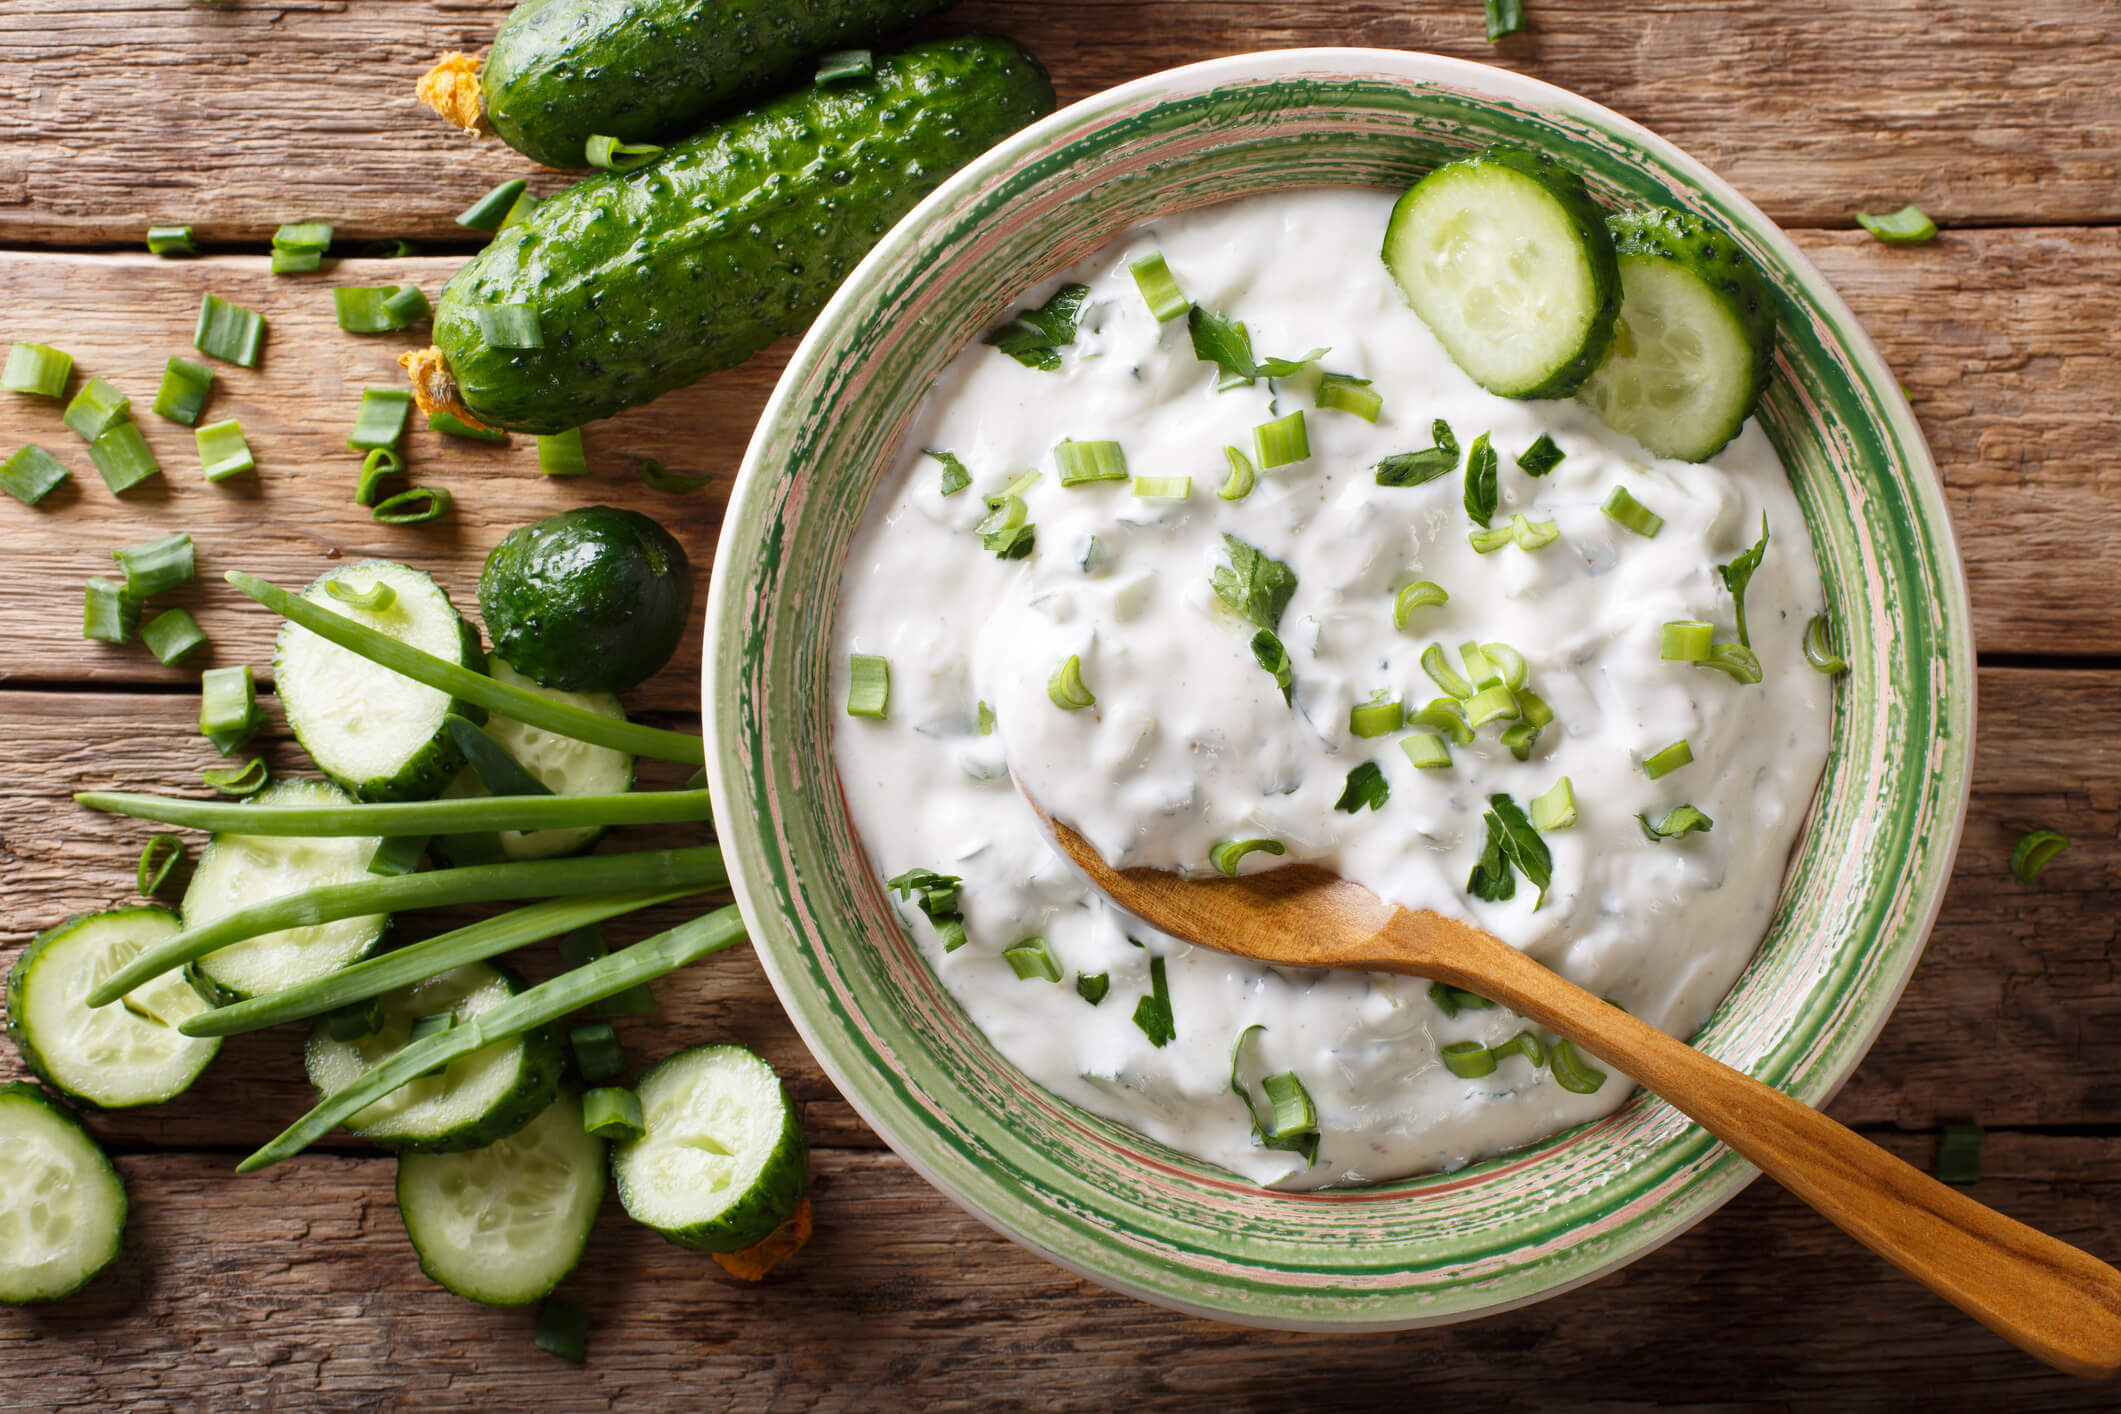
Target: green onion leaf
{"x": 1959, "y": 1153}
{"x": 1255, "y": 585}
{"x": 228, "y": 332}
{"x": 1482, "y": 490}
{"x": 1739, "y": 573}
{"x": 1065, "y": 686}
{"x": 111, "y": 615}
{"x": 407, "y": 306}
{"x": 398, "y": 854}
{"x": 1522, "y": 846}
{"x": 868, "y": 686}
{"x": 172, "y": 636}
{"x": 379, "y": 309}
{"x": 1153, "y": 1012}
{"x": 1632, "y": 513}
{"x": 561, "y": 454}
{"x": 31, "y": 474}
{"x": 1006, "y": 529}
{"x": 162, "y": 855}
{"x": 1032, "y": 958}
{"x": 380, "y": 422}
{"x": 597, "y": 1053}
{"x": 1421, "y": 594}
{"x": 223, "y": 450}
{"x": 380, "y": 464}
{"x": 1159, "y": 289}
{"x": 1366, "y": 786}
{"x": 1671, "y": 758}
{"x": 2034, "y": 851}
{"x": 1742, "y": 663}
{"x": 1268, "y": 652}
{"x": 416, "y": 817}
{"x": 1452, "y": 1000}
{"x": 1572, "y": 1072}
{"x": 1376, "y": 717}
{"x": 613, "y": 1112}
{"x": 1444, "y": 715}
{"x": 299, "y": 247}
{"x": 1907, "y": 226}
{"x": 415, "y": 507}
{"x": 1469, "y": 1060}
{"x": 1679, "y": 822}
{"x": 97, "y": 408}
{"x": 1541, "y": 457}
{"x": 228, "y": 712}
{"x": 1163, "y": 488}
{"x": 242, "y": 781}
{"x": 1034, "y": 337}
{"x": 562, "y": 1330}
{"x": 1238, "y": 484}
{"x": 184, "y": 388}
{"x": 171, "y": 242}
{"x": 1819, "y": 647}
{"x": 376, "y": 599}
{"x": 956, "y": 476}
{"x": 1226, "y": 855}
{"x": 1556, "y": 809}
{"x": 37, "y": 369}
{"x": 1525, "y": 1044}
{"x": 842, "y": 64}
{"x": 450, "y": 425}
{"x": 509, "y": 326}
{"x": 935, "y": 895}
{"x": 1093, "y": 987}
{"x": 1081, "y": 462}
{"x": 1226, "y": 344}
{"x": 1505, "y": 17}
{"x": 1426, "y": 751}
{"x": 487, "y": 213}
{"x": 1282, "y": 442}
{"x": 122, "y": 459}
{"x": 608, "y": 154}
{"x": 1419, "y": 468}
{"x": 1687, "y": 641}
{"x": 1436, "y": 662}
{"x": 1344, "y": 392}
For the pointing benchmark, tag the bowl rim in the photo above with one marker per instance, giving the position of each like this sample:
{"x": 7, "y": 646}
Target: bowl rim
{"x": 1718, "y": 1182}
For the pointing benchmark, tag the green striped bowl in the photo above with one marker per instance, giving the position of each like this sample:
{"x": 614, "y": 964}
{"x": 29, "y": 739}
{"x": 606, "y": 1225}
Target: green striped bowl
{"x": 1863, "y": 887}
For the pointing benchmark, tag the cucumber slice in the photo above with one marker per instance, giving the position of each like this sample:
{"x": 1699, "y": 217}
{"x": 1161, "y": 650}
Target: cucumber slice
{"x": 1507, "y": 260}
{"x": 723, "y": 1162}
{"x": 62, "y": 1205}
{"x": 505, "y": 1224}
{"x": 236, "y": 871}
{"x": 1691, "y": 352}
{"x": 129, "y": 1053}
{"x": 376, "y": 733}
{"x": 566, "y": 766}
{"x": 471, "y": 1102}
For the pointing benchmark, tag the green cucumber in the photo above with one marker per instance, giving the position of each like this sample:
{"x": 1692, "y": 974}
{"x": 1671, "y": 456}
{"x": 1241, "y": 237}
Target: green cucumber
{"x": 469, "y": 1103}
{"x": 561, "y": 71}
{"x": 62, "y": 1205}
{"x": 589, "y": 600}
{"x": 236, "y": 871}
{"x": 128, "y": 1053}
{"x": 1693, "y": 348}
{"x": 723, "y": 1162}
{"x": 647, "y": 280}
{"x": 378, "y": 734}
{"x": 566, "y": 766}
{"x": 504, "y": 1224}
{"x": 1507, "y": 260}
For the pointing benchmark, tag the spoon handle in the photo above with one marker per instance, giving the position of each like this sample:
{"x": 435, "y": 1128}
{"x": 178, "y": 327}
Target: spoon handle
{"x": 2044, "y": 1296}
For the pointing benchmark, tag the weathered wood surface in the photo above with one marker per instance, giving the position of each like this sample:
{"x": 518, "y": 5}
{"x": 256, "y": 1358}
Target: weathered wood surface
{"x": 123, "y": 113}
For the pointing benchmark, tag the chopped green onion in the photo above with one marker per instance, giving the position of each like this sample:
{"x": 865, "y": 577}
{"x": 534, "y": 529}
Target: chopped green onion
{"x": 486, "y": 214}
{"x": 414, "y": 817}
{"x": 172, "y": 636}
{"x": 298, "y": 248}
{"x": 561, "y": 454}
{"x": 122, "y": 459}
{"x": 1032, "y": 958}
{"x": 1525, "y": 1044}
{"x": 450, "y": 425}
{"x": 1511, "y": 844}
{"x": 1292, "y": 1125}
{"x": 986, "y": 720}
{"x": 379, "y": 309}
{"x": 171, "y": 242}
{"x": 1663, "y": 763}
{"x": 184, "y": 388}
{"x": 389, "y": 248}
{"x": 562, "y": 1330}
{"x": 935, "y": 895}
{"x": 1679, "y": 822}
{"x": 1447, "y": 718}
{"x": 1541, "y": 457}
{"x": 1268, "y": 652}
{"x": 381, "y": 419}
{"x": 1226, "y": 344}
{"x": 31, "y": 474}
{"x": 1508, "y": 662}
{"x": 868, "y": 686}
{"x": 1344, "y": 392}
{"x": 432, "y": 1024}
{"x": 398, "y": 854}
{"x": 1238, "y": 484}
{"x": 1452, "y": 1000}
{"x": 1482, "y": 480}
{"x": 228, "y": 332}
{"x": 1035, "y": 337}
{"x": 415, "y": 507}
{"x": 1739, "y": 573}
{"x": 1571, "y": 1071}
{"x": 1469, "y": 1060}
{"x": 228, "y": 709}
{"x": 956, "y": 476}
{"x": 1959, "y": 1153}
{"x": 1742, "y": 663}
{"x": 1081, "y": 462}
{"x": 376, "y": 599}
{"x": 1376, "y": 718}
{"x": 1092, "y": 987}
{"x": 1419, "y": 468}
{"x": 1437, "y": 664}
{"x": 1159, "y": 289}
{"x": 97, "y": 408}
{"x": 111, "y": 615}
{"x": 1254, "y": 583}
{"x": 296, "y": 262}
{"x": 1153, "y": 1012}
{"x": 1366, "y": 786}
{"x": 1065, "y": 686}
{"x": 1556, "y": 809}
{"x": 242, "y": 782}
{"x": 1527, "y": 533}
{"x": 1293, "y": 1111}
{"x": 1481, "y": 670}
{"x": 162, "y": 854}
{"x": 1504, "y": 17}
{"x": 843, "y": 64}
{"x": 509, "y": 326}
{"x": 223, "y": 451}
{"x": 613, "y": 1112}
{"x": 1226, "y": 855}
{"x": 1907, "y": 226}
{"x": 1163, "y": 488}
{"x": 1486, "y": 542}
{"x": 1520, "y": 738}
{"x": 1632, "y": 513}
{"x": 608, "y": 154}
{"x": 37, "y": 369}
{"x": 1687, "y": 641}
{"x": 1421, "y": 594}
{"x": 2034, "y": 851}
{"x": 408, "y": 306}
{"x": 352, "y": 1022}
{"x": 1491, "y": 704}
{"x": 1426, "y": 751}
{"x": 380, "y": 464}
{"x": 525, "y": 203}
{"x": 1282, "y": 442}
{"x": 1819, "y": 647}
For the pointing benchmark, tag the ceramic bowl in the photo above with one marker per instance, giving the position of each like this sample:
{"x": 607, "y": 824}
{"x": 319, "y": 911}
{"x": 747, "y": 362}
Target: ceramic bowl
{"x": 1863, "y": 886}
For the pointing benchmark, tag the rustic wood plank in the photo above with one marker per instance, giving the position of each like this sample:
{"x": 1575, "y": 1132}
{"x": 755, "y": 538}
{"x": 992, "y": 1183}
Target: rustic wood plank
{"x": 126, "y": 113}
{"x": 296, "y": 1289}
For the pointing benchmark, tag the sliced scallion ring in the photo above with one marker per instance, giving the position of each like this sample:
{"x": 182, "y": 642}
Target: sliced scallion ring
{"x": 415, "y": 507}
{"x": 1469, "y": 1060}
{"x": 122, "y": 458}
{"x": 1238, "y": 484}
{"x": 156, "y": 566}
{"x": 171, "y": 242}
{"x": 2034, "y": 852}
{"x": 1282, "y": 442}
{"x": 32, "y": 473}
{"x": 1376, "y": 718}
{"x": 487, "y": 213}
{"x": 1437, "y": 664}
{"x": 868, "y": 685}
{"x": 172, "y": 636}
{"x": 240, "y": 781}
{"x": 1571, "y": 1071}
{"x": 1741, "y": 662}
{"x": 377, "y": 598}
{"x": 1819, "y": 647}
{"x": 182, "y": 395}
{"x": 223, "y": 450}
{"x": 1163, "y": 488}
{"x": 1426, "y": 751}
{"x": 1507, "y": 662}
{"x": 162, "y": 854}
{"x": 1084, "y": 462}
{"x": 610, "y": 155}
{"x": 1491, "y": 704}
{"x": 1226, "y": 855}
{"x": 1631, "y": 513}
{"x": 1159, "y": 289}
{"x": 1343, "y": 392}
{"x": 380, "y": 422}
{"x": 1662, "y": 763}
{"x": 37, "y": 369}
{"x": 1556, "y": 808}
{"x": 561, "y": 454}
{"x": 1447, "y": 718}
{"x": 1910, "y": 225}
{"x": 679, "y": 483}
{"x": 1687, "y": 641}
{"x": 450, "y": 425}
{"x": 380, "y": 464}
{"x": 1032, "y": 958}
{"x": 1066, "y": 688}
{"x": 1421, "y": 594}
{"x": 228, "y": 332}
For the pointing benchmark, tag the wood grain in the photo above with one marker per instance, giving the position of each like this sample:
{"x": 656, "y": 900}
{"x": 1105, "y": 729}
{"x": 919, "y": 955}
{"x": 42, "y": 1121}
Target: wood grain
{"x": 237, "y": 116}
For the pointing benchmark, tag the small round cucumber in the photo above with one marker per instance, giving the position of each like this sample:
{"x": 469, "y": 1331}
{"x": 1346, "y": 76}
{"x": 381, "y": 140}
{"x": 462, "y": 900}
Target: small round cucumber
{"x": 566, "y": 766}
{"x": 504, "y": 1224}
{"x": 128, "y": 1053}
{"x": 62, "y": 1205}
{"x": 1691, "y": 353}
{"x": 723, "y": 1162}
{"x": 236, "y": 871}
{"x": 1506, "y": 259}
{"x": 469, "y": 1103}
{"x": 378, "y": 734}
{"x": 589, "y": 600}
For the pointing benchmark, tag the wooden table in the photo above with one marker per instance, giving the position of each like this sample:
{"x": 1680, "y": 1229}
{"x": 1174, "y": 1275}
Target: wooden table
{"x": 297, "y": 1290}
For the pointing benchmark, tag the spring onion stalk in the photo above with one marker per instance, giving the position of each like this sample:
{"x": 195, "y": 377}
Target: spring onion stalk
{"x": 172, "y": 636}
{"x": 2034, "y": 851}
{"x": 1421, "y": 594}
{"x": 415, "y": 507}
{"x": 1687, "y": 641}
{"x": 1533, "y": 708}
{"x": 162, "y": 854}
{"x": 1910, "y": 225}
{"x": 608, "y": 154}
{"x": 122, "y": 459}
{"x": 1344, "y": 392}
{"x": 1444, "y": 716}
{"x": 183, "y": 392}
{"x": 229, "y": 332}
{"x": 1541, "y": 457}
{"x": 379, "y": 465}
{"x": 1678, "y": 822}
{"x": 597, "y": 1053}
{"x": 1491, "y": 704}
{"x": 37, "y": 369}
{"x": 1741, "y": 662}
{"x": 450, "y": 425}
{"x": 1159, "y": 289}
{"x": 1032, "y": 958}
{"x": 1662, "y": 763}
{"x": 1282, "y": 442}
{"x": 1504, "y": 17}
{"x": 466, "y": 815}
{"x": 509, "y": 326}
{"x": 538, "y": 1006}
{"x": 97, "y": 408}
{"x": 407, "y": 306}
{"x": 223, "y": 450}
{"x": 1959, "y": 1153}
{"x": 1163, "y": 488}
{"x": 562, "y": 1330}
{"x": 1426, "y": 751}
{"x": 1238, "y": 484}
{"x": 517, "y": 703}
{"x": 1225, "y": 856}
{"x": 1092, "y": 987}
{"x": 376, "y": 598}
{"x": 1556, "y": 809}
{"x": 868, "y": 686}
{"x": 228, "y": 707}
{"x": 31, "y": 474}
{"x": 1437, "y": 664}
{"x": 561, "y": 454}
{"x": 486, "y": 214}
{"x": 613, "y": 1112}
{"x": 171, "y": 242}
{"x": 585, "y": 945}
{"x": 1376, "y": 717}
{"x": 525, "y": 203}
{"x": 380, "y": 422}
{"x": 1065, "y": 686}
{"x": 1293, "y": 1111}
{"x": 1084, "y": 462}
{"x": 111, "y": 615}
{"x": 1153, "y": 1013}
{"x": 156, "y": 566}
{"x": 1469, "y": 1060}
{"x": 1524, "y": 532}
{"x": 1452, "y": 1000}
{"x": 1632, "y": 514}
{"x": 242, "y": 782}
{"x": 1819, "y": 647}
{"x": 1571, "y": 1071}
{"x": 1520, "y": 737}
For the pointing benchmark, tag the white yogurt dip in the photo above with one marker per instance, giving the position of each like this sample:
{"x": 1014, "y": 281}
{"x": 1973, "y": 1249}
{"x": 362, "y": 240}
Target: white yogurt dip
{"x": 1190, "y": 742}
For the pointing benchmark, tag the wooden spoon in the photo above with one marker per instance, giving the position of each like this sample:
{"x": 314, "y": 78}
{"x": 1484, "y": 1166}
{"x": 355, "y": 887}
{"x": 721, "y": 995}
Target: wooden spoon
{"x": 2044, "y": 1296}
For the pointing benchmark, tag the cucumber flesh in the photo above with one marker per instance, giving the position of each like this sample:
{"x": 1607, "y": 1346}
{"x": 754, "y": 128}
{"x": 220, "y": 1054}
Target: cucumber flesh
{"x": 566, "y": 766}
{"x": 236, "y": 871}
{"x": 375, "y": 732}
{"x": 62, "y": 1205}
{"x": 723, "y": 1161}
{"x": 469, "y": 1103}
{"x": 504, "y": 1224}
{"x": 1508, "y": 262}
{"x": 128, "y": 1053}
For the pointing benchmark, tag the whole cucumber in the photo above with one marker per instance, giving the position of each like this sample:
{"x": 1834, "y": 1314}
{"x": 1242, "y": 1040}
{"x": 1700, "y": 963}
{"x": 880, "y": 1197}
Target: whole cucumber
{"x": 648, "y": 280}
{"x": 643, "y": 70}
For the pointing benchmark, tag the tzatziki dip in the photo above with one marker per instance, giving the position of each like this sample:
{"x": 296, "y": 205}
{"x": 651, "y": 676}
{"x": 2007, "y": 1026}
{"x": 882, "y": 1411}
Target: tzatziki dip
{"x": 1232, "y": 598}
